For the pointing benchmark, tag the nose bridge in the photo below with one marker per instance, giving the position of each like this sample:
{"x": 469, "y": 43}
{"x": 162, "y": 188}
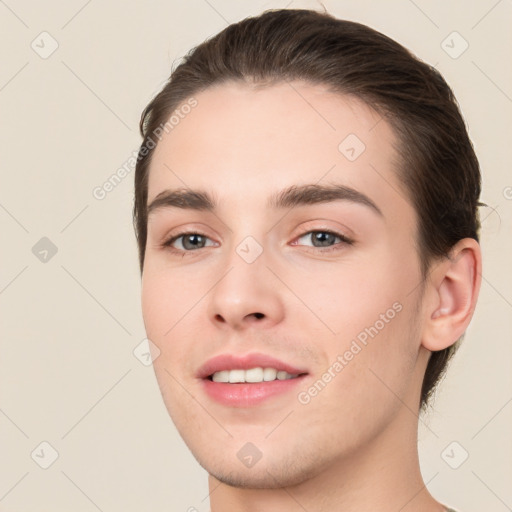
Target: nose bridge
{"x": 247, "y": 289}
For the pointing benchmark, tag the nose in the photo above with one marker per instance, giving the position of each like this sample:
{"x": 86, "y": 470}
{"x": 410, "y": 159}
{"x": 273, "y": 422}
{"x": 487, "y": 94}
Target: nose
{"x": 247, "y": 294}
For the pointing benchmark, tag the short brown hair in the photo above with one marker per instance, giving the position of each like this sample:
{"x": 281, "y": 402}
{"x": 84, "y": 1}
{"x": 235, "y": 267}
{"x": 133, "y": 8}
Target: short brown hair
{"x": 438, "y": 166}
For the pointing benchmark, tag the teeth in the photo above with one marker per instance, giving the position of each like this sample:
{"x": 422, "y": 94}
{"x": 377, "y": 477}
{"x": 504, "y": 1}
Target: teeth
{"x": 222, "y": 376}
{"x": 252, "y": 375}
{"x": 236, "y": 376}
{"x": 269, "y": 374}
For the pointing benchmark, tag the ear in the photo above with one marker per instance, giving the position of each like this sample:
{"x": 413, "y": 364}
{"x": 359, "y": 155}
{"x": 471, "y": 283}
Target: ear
{"x": 452, "y": 292}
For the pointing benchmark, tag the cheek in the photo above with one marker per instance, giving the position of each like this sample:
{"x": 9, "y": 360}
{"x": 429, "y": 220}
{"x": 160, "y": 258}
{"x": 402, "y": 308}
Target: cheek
{"x": 173, "y": 311}
{"x": 164, "y": 304}
{"x": 166, "y": 297}
{"x": 349, "y": 298}
{"x": 372, "y": 335}
{"x": 154, "y": 300}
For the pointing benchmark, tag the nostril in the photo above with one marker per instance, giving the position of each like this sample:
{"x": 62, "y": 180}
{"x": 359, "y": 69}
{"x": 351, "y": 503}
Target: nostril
{"x": 259, "y": 315}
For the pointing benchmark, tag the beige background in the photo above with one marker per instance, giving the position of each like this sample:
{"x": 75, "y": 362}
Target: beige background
{"x": 68, "y": 375}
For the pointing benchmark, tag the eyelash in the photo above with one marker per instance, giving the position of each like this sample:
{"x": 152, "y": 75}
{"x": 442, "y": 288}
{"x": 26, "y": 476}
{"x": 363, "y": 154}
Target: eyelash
{"x": 344, "y": 240}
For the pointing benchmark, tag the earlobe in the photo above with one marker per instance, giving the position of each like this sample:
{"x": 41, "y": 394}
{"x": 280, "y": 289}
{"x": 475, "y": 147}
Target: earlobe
{"x": 454, "y": 288}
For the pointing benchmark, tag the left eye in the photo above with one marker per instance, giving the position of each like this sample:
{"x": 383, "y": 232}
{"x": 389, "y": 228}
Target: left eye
{"x": 324, "y": 239}
{"x": 191, "y": 241}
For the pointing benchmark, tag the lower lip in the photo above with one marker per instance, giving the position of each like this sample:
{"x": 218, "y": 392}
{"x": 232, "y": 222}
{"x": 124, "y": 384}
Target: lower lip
{"x": 247, "y": 395}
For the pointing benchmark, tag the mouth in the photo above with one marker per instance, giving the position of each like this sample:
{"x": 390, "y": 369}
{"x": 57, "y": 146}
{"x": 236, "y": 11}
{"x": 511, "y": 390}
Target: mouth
{"x": 252, "y": 375}
{"x": 246, "y": 381}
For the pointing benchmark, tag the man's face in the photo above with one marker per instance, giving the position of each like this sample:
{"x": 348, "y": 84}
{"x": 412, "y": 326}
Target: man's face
{"x": 328, "y": 289}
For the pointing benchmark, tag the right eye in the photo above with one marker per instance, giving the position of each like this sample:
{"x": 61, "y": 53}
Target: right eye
{"x": 191, "y": 241}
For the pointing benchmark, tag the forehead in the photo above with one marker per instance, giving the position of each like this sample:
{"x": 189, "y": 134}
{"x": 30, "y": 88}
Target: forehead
{"x": 245, "y": 142}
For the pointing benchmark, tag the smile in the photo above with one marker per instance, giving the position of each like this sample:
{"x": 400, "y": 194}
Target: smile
{"x": 251, "y": 375}
{"x": 248, "y": 380}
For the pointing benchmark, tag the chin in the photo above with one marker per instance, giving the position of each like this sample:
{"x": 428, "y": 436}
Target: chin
{"x": 281, "y": 471}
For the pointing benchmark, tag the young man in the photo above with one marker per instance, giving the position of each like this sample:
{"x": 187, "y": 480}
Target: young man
{"x": 306, "y": 212}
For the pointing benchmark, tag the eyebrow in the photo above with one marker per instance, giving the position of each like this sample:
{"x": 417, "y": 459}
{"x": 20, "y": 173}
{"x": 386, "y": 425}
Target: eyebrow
{"x": 296, "y": 195}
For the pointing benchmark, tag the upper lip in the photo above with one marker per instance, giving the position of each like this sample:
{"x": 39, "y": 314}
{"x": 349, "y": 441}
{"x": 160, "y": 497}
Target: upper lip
{"x": 245, "y": 362}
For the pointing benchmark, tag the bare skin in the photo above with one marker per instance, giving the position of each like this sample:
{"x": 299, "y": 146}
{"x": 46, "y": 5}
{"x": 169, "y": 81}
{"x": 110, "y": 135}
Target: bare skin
{"x": 352, "y": 445}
